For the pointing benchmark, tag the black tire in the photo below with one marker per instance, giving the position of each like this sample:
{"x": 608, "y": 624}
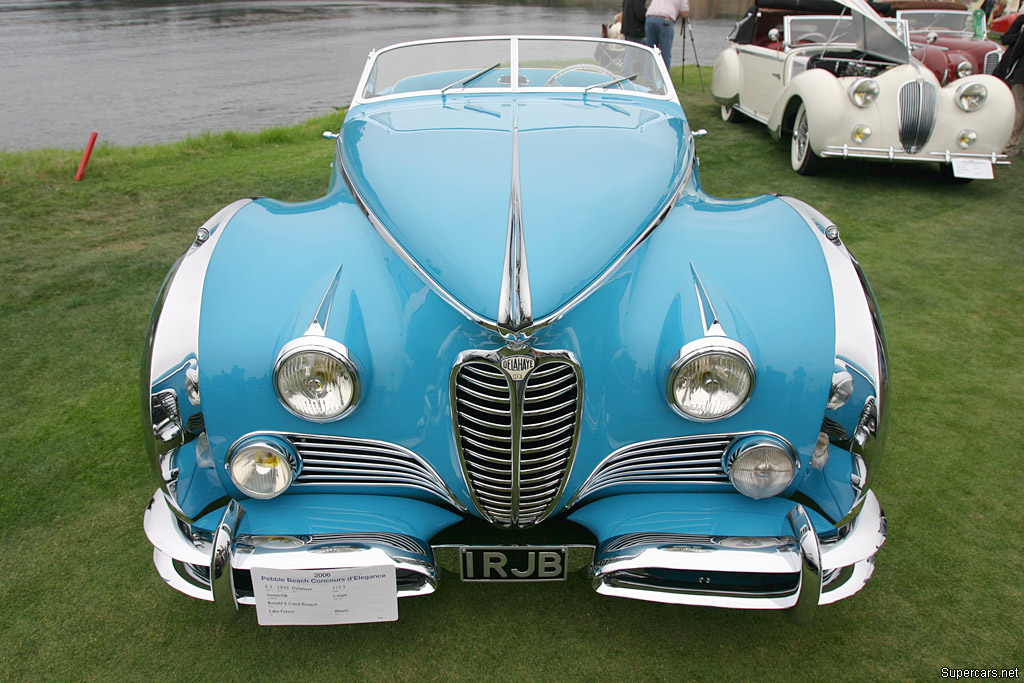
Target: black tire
{"x": 801, "y": 156}
{"x": 946, "y": 170}
{"x": 730, "y": 115}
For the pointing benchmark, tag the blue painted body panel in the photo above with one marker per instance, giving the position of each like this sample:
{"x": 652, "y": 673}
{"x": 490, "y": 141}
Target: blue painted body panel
{"x": 438, "y": 176}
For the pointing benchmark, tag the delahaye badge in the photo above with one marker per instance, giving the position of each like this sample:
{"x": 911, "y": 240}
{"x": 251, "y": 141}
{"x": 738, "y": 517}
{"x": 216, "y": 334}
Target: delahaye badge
{"x": 518, "y": 367}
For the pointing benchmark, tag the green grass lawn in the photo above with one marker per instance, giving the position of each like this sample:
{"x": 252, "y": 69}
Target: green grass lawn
{"x": 79, "y": 599}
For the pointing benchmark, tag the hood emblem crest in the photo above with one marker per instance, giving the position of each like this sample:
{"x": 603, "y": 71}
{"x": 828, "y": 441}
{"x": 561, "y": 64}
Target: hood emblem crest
{"x": 518, "y": 367}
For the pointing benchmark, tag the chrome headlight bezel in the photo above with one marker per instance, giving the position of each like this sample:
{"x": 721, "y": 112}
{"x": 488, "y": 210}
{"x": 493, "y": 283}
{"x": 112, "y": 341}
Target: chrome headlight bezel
{"x": 746, "y": 447}
{"x": 964, "y": 69}
{"x": 246, "y": 447}
{"x": 703, "y": 348}
{"x": 971, "y": 96}
{"x": 332, "y": 350}
{"x": 864, "y": 91}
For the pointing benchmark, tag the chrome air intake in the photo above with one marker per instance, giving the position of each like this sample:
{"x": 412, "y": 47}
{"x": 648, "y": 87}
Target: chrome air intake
{"x": 917, "y": 112}
{"x": 516, "y": 419}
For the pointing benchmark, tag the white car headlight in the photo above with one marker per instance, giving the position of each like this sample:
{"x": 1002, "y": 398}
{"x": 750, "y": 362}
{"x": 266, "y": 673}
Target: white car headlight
{"x": 317, "y": 379}
{"x": 711, "y": 379}
{"x": 964, "y": 69}
{"x": 262, "y": 467}
{"x": 864, "y": 91}
{"x": 760, "y": 466}
{"x": 971, "y": 96}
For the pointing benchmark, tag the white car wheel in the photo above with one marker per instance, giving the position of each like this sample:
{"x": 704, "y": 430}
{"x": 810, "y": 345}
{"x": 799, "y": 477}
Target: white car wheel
{"x": 801, "y": 156}
{"x": 729, "y": 114}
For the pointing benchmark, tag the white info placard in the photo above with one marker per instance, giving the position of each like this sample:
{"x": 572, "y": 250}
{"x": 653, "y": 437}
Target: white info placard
{"x": 973, "y": 168}
{"x": 310, "y": 597}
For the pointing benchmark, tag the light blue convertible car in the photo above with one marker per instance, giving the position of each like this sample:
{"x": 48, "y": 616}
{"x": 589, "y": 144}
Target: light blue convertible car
{"x": 513, "y": 328}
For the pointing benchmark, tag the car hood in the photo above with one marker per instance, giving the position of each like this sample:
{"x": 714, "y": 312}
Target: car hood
{"x": 594, "y": 172}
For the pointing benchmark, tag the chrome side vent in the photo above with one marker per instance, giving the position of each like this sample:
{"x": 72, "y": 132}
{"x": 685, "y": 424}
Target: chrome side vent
{"x": 516, "y": 418}
{"x": 332, "y": 461}
{"x": 679, "y": 460}
{"x": 991, "y": 61}
{"x": 917, "y": 112}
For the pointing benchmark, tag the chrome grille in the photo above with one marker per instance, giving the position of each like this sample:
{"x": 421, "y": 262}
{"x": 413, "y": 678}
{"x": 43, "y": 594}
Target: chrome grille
{"x": 679, "y": 460}
{"x": 549, "y": 432}
{"x": 917, "y": 111}
{"x": 516, "y": 440}
{"x": 344, "y": 461}
{"x": 991, "y": 61}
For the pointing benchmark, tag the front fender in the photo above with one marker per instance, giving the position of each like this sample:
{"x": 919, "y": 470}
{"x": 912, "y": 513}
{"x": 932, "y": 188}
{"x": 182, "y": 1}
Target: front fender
{"x": 727, "y": 77}
{"x": 820, "y": 92}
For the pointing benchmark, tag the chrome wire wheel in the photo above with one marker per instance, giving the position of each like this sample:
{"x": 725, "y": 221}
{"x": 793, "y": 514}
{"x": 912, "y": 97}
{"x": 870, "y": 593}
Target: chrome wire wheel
{"x": 801, "y": 156}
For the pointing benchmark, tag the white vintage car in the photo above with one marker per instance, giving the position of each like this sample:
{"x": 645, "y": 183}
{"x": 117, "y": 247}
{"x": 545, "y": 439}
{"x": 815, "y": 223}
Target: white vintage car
{"x": 840, "y": 81}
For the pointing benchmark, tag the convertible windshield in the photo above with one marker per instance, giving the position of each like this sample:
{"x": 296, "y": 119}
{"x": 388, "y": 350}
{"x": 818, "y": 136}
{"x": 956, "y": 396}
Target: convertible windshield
{"x": 833, "y": 30}
{"x": 949, "y": 21}
{"x": 461, "y": 65}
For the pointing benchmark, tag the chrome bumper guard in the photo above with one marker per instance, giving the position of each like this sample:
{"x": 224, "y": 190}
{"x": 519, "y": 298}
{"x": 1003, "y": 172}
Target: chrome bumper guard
{"x": 796, "y": 572}
{"x": 893, "y": 154}
{"x": 216, "y": 568}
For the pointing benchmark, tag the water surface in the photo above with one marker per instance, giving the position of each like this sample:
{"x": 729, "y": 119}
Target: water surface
{"x": 138, "y": 72}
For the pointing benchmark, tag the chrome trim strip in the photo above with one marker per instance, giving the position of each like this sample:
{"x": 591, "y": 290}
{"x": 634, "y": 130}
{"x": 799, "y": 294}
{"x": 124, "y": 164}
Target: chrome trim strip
{"x": 617, "y": 468}
{"x": 393, "y": 468}
{"x": 890, "y": 153}
{"x": 222, "y": 580}
{"x": 537, "y": 325}
{"x": 172, "y": 339}
{"x": 515, "y": 307}
{"x": 318, "y": 326}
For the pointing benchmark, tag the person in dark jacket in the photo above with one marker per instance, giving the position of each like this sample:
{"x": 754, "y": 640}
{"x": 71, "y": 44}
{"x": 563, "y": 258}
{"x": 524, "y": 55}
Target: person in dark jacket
{"x": 634, "y": 17}
{"x": 1011, "y": 70}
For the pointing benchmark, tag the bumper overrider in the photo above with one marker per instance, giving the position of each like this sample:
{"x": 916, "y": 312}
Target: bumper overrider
{"x": 794, "y": 570}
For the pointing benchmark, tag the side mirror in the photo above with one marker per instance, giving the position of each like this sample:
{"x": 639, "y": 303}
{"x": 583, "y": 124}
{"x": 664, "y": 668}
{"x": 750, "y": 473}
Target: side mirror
{"x": 932, "y": 37}
{"x": 773, "y": 35}
{"x": 329, "y": 135}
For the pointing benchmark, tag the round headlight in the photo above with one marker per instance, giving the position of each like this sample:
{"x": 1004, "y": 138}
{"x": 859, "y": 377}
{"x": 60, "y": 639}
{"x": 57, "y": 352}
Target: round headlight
{"x": 964, "y": 69}
{"x": 971, "y": 96}
{"x": 760, "y": 467}
{"x": 316, "y": 379}
{"x": 261, "y": 468}
{"x": 966, "y": 138}
{"x": 841, "y": 391}
{"x": 864, "y": 91}
{"x": 711, "y": 379}
{"x": 860, "y": 134}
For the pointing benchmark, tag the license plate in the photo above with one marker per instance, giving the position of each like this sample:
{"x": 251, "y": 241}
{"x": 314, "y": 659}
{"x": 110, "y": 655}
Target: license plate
{"x": 514, "y": 563}
{"x": 973, "y": 168}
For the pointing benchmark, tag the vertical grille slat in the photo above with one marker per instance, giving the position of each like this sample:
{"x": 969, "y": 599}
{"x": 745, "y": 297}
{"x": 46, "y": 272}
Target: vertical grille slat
{"x": 516, "y": 439}
{"x": 917, "y": 111}
{"x": 991, "y": 61}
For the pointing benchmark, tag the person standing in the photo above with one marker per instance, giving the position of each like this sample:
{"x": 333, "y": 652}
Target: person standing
{"x": 1011, "y": 70}
{"x": 661, "y": 20}
{"x": 633, "y": 17}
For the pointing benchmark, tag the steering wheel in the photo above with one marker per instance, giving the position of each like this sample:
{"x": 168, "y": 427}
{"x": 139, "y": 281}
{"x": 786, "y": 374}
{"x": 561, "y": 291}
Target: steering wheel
{"x": 812, "y": 38}
{"x": 593, "y": 68}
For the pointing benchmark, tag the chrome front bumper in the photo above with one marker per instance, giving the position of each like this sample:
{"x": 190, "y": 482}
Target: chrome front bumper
{"x": 797, "y": 571}
{"x": 893, "y": 154}
{"x": 215, "y": 567}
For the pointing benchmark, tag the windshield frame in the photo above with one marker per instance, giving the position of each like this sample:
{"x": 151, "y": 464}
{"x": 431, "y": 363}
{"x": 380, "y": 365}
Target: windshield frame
{"x": 966, "y": 14}
{"x": 514, "y": 86}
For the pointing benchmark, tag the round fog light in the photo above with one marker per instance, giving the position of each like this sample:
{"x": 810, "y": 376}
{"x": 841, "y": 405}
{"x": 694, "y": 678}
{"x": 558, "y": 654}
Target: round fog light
{"x": 261, "y": 468}
{"x": 964, "y": 69}
{"x": 966, "y": 138}
{"x": 860, "y": 134}
{"x": 760, "y": 467}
